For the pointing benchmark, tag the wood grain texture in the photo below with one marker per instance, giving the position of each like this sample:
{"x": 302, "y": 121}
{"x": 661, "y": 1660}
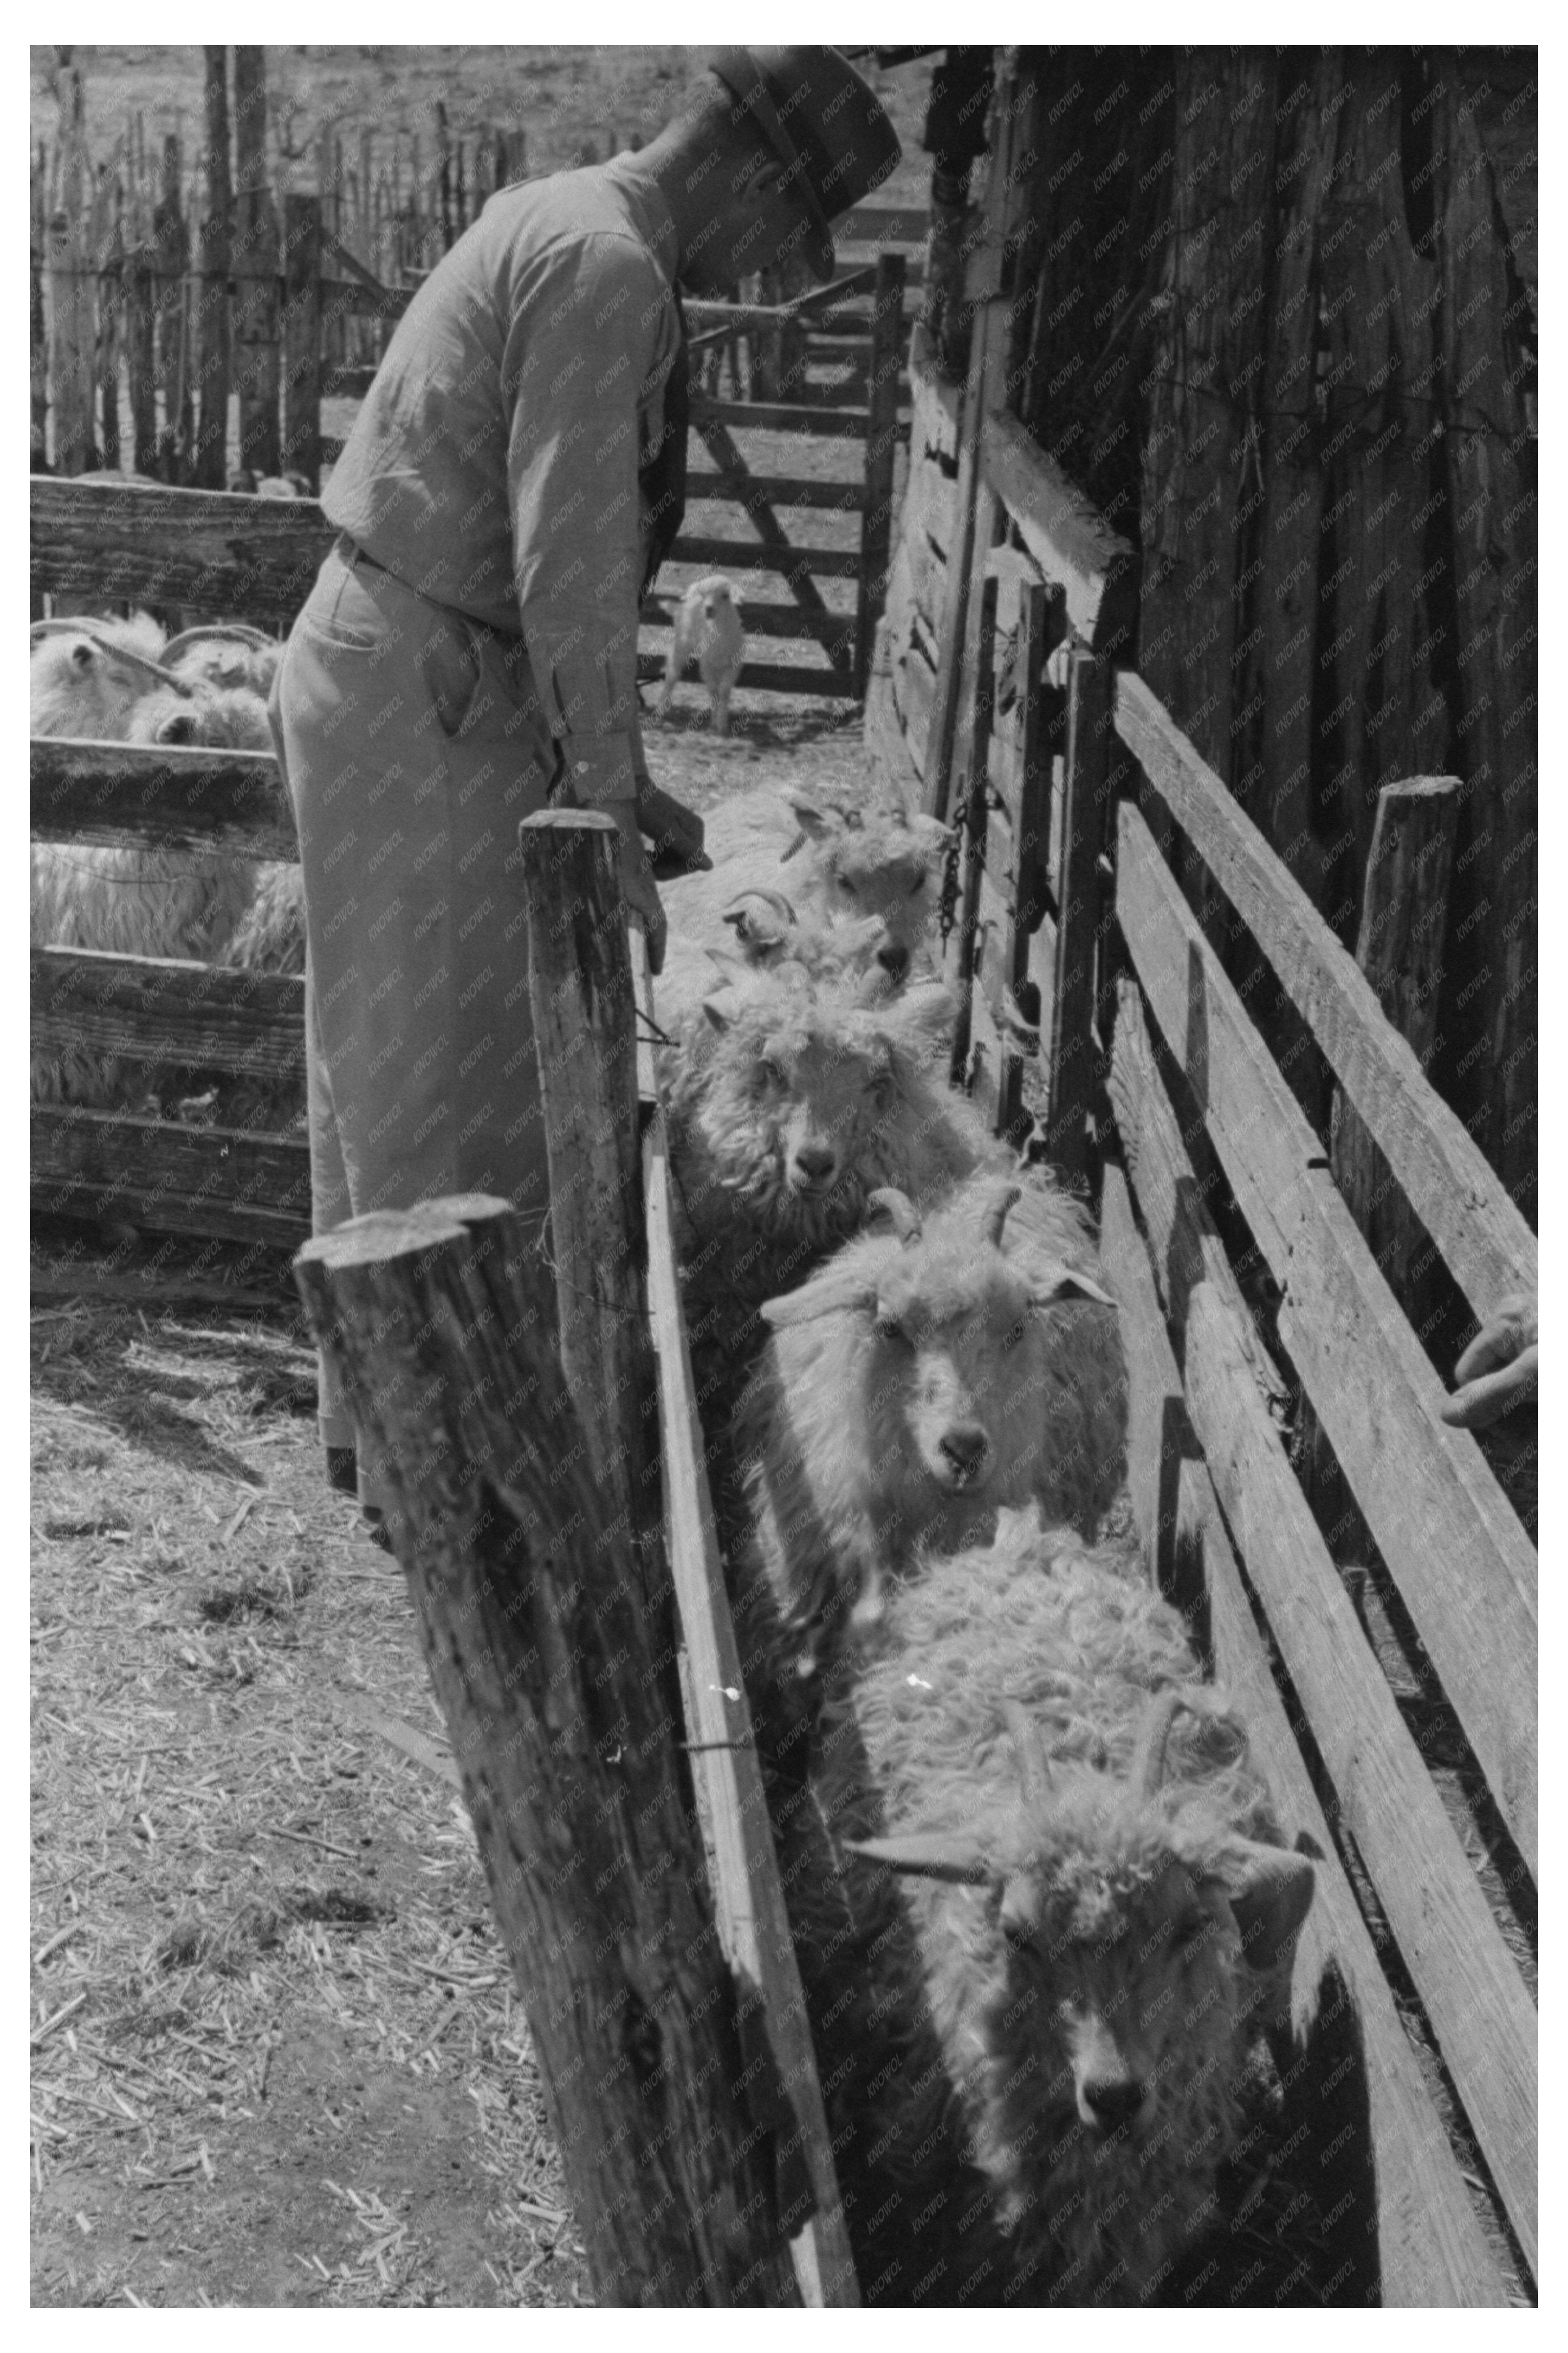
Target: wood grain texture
{"x": 172, "y": 1178}
{"x": 1430, "y": 2249}
{"x": 1480, "y": 2011}
{"x": 1450, "y": 1538}
{"x": 440, "y": 1322}
{"x": 163, "y": 796}
{"x": 1459, "y": 1199}
{"x": 1070, "y": 539}
{"x": 253, "y": 558}
{"x": 881, "y": 443}
{"x": 153, "y": 1009}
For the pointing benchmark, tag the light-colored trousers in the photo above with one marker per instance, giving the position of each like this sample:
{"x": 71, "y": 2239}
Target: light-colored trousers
{"x": 412, "y": 744}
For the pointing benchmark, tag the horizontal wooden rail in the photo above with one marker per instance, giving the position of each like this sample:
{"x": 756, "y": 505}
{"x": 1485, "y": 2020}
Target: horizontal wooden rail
{"x": 254, "y": 558}
{"x": 346, "y": 382}
{"x": 1429, "y": 2245}
{"x": 1075, "y": 548}
{"x": 783, "y": 416}
{"x": 1450, "y": 1538}
{"x": 1445, "y": 1179}
{"x": 1480, "y": 2007}
{"x": 749, "y": 556}
{"x": 772, "y": 678}
{"x": 776, "y": 491}
{"x": 153, "y": 1008}
{"x": 172, "y": 1179}
{"x": 742, "y": 315}
{"x": 165, "y": 796}
{"x": 884, "y": 224}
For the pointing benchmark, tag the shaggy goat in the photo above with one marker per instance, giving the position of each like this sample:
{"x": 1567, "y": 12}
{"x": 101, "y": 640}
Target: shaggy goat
{"x": 786, "y": 1104}
{"x": 1103, "y": 1920}
{"x": 924, "y": 1380}
{"x": 708, "y": 632}
{"x": 136, "y": 902}
{"x": 876, "y": 865}
{"x": 85, "y": 678}
{"x": 225, "y": 654}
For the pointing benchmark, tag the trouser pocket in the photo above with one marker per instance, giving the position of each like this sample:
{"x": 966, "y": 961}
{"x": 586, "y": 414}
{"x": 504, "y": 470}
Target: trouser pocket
{"x": 452, "y": 670}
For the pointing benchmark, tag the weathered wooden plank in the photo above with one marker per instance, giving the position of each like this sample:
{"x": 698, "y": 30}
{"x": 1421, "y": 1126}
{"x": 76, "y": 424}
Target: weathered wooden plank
{"x": 786, "y": 416}
{"x": 164, "y": 797}
{"x": 157, "y": 1173}
{"x": 763, "y": 620}
{"x": 1429, "y": 2247}
{"x": 914, "y": 696}
{"x": 1480, "y": 2011}
{"x": 1075, "y": 548}
{"x": 1450, "y": 1539}
{"x": 747, "y": 489}
{"x": 882, "y": 435}
{"x": 153, "y": 1009}
{"x": 211, "y": 308}
{"x": 253, "y": 558}
{"x": 972, "y": 814}
{"x": 930, "y": 502}
{"x": 934, "y": 402}
{"x": 793, "y": 564}
{"x": 1458, "y": 1198}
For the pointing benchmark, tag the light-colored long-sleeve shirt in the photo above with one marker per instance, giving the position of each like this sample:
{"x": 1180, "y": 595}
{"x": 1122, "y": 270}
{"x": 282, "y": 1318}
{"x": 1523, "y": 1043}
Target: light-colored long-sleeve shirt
{"x": 494, "y": 464}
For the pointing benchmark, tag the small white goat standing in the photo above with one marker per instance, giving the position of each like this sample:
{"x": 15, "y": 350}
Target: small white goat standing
{"x": 708, "y": 632}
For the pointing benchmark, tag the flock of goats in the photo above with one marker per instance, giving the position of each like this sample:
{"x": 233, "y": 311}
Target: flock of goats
{"x": 1045, "y": 1916}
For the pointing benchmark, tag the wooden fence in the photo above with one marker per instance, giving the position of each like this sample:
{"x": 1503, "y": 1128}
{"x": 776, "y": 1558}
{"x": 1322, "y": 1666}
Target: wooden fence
{"x": 1386, "y": 1654}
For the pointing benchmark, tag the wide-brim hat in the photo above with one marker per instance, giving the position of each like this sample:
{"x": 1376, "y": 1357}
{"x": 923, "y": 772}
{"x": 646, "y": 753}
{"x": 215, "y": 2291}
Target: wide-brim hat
{"x": 825, "y": 123}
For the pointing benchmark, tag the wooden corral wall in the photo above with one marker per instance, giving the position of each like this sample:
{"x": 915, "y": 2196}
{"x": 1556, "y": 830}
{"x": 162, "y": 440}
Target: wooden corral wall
{"x": 1261, "y": 1333}
{"x": 1279, "y": 327}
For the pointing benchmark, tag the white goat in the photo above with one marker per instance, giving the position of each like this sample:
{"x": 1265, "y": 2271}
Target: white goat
{"x": 1096, "y": 1929}
{"x": 706, "y": 632}
{"x": 137, "y": 902}
{"x": 922, "y": 1380}
{"x": 86, "y": 677}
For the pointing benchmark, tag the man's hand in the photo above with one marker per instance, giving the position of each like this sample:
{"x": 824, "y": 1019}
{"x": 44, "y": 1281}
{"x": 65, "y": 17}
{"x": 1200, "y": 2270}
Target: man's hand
{"x": 637, "y": 879}
{"x": 1500, "y": 1367}
{"x": 675, "y": 830}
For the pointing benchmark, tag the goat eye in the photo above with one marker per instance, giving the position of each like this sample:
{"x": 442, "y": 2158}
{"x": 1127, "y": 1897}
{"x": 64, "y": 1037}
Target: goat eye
{"x": 917, "y": 886}
{"x": 889, "y": 1328}
{"x": 1014, "y": 1334}
{"x": 846, "y": 885}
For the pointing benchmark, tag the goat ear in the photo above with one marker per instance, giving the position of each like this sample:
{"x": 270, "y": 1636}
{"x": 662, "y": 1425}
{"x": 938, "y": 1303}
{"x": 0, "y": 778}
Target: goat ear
{"x": 898, "y": 1210}
{"x": 830, "y": 1294}
{"x": 930, "y": 831}
{"x": 716, "y": 1014}
{"x": 812, "y": 819}
{"x": 925, "y": 1015}
{"x": 726, "y": 963}
{"x": 1067, "y": 1283}
{"x": 930, "y": 1854}
{"x": 1270, "y": 1891}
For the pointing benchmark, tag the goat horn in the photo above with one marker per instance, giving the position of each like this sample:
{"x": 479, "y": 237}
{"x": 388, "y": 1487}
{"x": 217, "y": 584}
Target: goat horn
{"x": 127, "y": 654}
{"x": 1149, "y": 1762}
{"x": 997, "y": 1216}
{"x": 1034, "y": 1764}
{"x": 797, "y": 844}
{"x": 735, "y": 913}
{"x": 898, "y": 1210}
{"x": 236, "y": 633}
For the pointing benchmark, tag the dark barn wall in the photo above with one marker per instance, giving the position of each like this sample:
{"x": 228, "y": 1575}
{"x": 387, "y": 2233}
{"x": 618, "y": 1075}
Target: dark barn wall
{"x": 1280, "y": 335}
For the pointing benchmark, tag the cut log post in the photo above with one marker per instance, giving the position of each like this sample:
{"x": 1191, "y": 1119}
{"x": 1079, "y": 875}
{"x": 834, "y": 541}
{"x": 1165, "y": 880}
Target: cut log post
{"x": 881, "y": 443}
{"x": 580, "y": 993}
{"x": 256, "y": 328}
{"x": 110, "y": 247}
{"x": 37, "y": 338}
{"x": 302, "y": 336}
{"x": 441, "y": 1323}
{"x": 141, "y": 357}
{"x": 210, "y": 467}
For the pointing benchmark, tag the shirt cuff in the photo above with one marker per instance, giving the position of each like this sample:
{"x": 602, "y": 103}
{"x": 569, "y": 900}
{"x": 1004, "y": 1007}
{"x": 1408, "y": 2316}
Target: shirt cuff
{"x": 600, "y": 770}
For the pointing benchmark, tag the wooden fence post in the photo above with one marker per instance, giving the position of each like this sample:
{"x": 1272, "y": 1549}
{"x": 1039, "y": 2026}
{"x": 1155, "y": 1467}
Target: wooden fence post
{"x": 975, "y": 827}
{"x": 140, "y": 358}
{"x": 302, "y": 337}
{"x": 580, "y": 993}
{"x": 881, "y": 444}
{"x": 256, "y": 331}
{"x": 1085, "y": 780}
{"x": 71, "y": 291}
{"x": 110, "y": 246}
{"x": 442, "y": 1323}
{"x": 210, "y": 456}
{"x": 1405, "y": 906}
{"x": 172, "y": 239}
{"x": 37, "y": 339}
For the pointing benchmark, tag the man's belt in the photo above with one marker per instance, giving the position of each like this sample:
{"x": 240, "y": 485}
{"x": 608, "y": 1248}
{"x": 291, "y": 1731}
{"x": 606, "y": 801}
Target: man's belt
{"x": 355, "y": 558}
